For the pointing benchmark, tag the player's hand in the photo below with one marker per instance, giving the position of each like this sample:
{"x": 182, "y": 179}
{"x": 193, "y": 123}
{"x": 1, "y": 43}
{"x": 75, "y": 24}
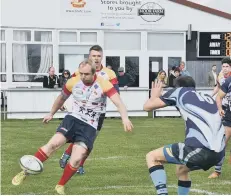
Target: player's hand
{"x": 157, "y": 89}
{"x": 128, "y": 126}
{"x": 222, "y": 113}
{"x": 47, "y": 118}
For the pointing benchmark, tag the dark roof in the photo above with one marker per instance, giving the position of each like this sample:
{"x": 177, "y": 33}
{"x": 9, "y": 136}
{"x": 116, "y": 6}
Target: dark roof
{"x": 203, "y": 8}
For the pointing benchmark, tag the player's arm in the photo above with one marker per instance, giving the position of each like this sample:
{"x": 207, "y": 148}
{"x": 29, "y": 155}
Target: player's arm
{"x": 216, "y": 88}
{"x": 115, "y": 98}
{"x": 116, "y": 86}
{"x": 57, "y": 104}
{"x": 65, "y": 93}
{"x": 120, "y": 106}
{"x": 113, "y": 80}
{"x": 221, "y": 94}
{"x": 219, "y": 98}
{"x": 157, "y": 101}
{"x": 153, "y": 103}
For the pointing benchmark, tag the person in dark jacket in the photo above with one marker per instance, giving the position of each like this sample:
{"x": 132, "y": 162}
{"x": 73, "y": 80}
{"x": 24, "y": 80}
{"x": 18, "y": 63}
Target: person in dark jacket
{"x": 125, "y": 80}
{"x": 64, "y": 77}
{"x": 173, "y": 75}
{"x": 52, "y": 80}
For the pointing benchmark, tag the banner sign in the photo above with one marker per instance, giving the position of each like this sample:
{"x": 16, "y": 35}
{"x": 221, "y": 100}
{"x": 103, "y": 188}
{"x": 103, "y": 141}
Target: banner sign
{"x": 114, "y": 14}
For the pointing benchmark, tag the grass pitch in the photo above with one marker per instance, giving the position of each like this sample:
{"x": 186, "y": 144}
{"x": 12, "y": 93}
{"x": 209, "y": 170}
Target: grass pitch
{"x": 116, "y": 166}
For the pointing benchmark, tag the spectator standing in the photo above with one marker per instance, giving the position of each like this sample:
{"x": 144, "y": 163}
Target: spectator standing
{"x": 212, "y": 76}
{"x": 183, "y": 71}
{"x": 173, "y": 76}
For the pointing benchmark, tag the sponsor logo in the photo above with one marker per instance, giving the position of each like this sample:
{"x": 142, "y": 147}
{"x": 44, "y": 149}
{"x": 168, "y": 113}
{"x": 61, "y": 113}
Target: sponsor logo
{"x": 96, "y": 86}
{"x": 78, "y": 3}
{"x": 151, "y": 12}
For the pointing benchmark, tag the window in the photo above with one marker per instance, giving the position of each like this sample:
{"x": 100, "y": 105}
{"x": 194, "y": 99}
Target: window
{"x": 67, "y": 36}
{"x": 88, "y": 37}
{"x": 114, "y": 62}
{"x": 70, "y": 62}
{"x": 122, "y": 41}
{"x": 28, "y": 78}
{"x": 132, "y": 68}
{"x": 74, "y": 49}
{"x": 43, "y": 36}
{"x": 22, "y": 35}
{"x": 166, "y": 41}
{"x": 71, "y": 56}
{"x": 3, "y": 61}
{"x": 31, "y": 58}
{"x": 2, "y": 35}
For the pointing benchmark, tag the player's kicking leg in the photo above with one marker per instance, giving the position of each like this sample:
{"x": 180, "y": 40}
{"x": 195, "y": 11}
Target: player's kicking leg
{"x": 42, "y": 154}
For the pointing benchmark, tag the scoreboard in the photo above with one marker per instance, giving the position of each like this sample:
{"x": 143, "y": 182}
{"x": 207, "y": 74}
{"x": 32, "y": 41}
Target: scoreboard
{"x": 214, "y": 44}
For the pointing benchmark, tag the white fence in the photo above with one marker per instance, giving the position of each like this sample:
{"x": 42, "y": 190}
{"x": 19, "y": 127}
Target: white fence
{"x": 36, "y": 103}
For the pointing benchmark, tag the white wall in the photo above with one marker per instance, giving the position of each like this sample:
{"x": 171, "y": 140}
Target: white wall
{"x": 50, "y": 14}
{"x": 222, "y": 5}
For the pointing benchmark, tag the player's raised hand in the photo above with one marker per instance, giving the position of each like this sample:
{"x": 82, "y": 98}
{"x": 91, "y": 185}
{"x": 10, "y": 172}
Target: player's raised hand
{"x": 128, "y": 126}
{"x": 157, "y": 89}
{"x": 47, "y": 118}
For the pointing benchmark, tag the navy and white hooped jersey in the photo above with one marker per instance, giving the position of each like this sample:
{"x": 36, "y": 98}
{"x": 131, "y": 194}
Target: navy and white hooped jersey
{"x": 221, "y": 80}
{"x": 226, "y": 88}
{"x": 204, "y": 127}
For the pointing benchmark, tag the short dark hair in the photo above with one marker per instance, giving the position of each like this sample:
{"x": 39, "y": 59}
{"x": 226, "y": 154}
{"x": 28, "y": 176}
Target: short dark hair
{"x": 214, "y": 65}
{"x": 177, "y": 69}
{"x": 173, "y": 68}
{"x": 185, "y": 81}
{"x": 226, "y": 60}
{"x": 96, "y": 48}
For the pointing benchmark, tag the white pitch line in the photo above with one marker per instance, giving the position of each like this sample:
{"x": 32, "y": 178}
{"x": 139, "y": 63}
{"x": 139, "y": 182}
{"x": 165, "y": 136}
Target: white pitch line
{"x": 223, "y": 182}
{"x": 101, "y": 158}
{"x": 139, "y": 126}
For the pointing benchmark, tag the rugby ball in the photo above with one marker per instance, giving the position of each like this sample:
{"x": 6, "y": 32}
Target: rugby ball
{"x": 31, "y": 164}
